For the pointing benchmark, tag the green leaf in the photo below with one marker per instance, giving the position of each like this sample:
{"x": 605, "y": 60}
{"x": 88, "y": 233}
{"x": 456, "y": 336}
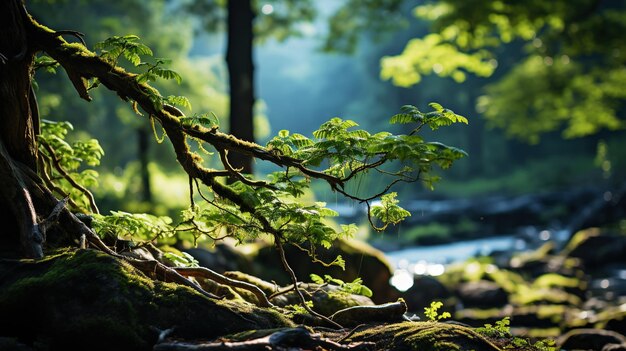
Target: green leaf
{"x": 316, "y": 279}
{"x": 167, "y": 74}
{"x": 178, "y": 101}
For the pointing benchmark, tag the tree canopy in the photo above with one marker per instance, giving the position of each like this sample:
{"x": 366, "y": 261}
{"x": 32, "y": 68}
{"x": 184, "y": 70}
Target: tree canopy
{"x": 569, "y": 60}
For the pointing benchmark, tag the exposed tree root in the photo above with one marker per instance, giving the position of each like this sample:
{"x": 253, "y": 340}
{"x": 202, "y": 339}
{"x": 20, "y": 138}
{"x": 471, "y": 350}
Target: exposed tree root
{"x": 15, "y": 192}
{"x": 287, "y": 339}
{"x": 202, "y": 272}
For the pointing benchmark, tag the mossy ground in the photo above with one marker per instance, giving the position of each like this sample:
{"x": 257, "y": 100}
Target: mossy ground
{"x": 414, "y": 336}
{"x": 89, "y": 300}
{"x": 85, "y": 299}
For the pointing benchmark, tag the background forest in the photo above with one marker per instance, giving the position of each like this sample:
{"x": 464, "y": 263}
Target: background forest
{"x": 518, "y": 140}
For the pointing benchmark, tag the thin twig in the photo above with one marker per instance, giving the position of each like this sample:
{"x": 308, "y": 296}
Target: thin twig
{"x": 294, "y": 279}
{"x": 43, "y": 169}
{"x": 57, "y": 165}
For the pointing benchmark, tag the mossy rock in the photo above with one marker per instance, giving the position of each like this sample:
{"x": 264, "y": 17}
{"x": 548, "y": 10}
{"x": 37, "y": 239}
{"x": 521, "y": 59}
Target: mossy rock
{"x": 85, "y": 299}
{"x": 414, "y": 336}
{"x": 362, "y": 261}
{"x": 327, "y": 299}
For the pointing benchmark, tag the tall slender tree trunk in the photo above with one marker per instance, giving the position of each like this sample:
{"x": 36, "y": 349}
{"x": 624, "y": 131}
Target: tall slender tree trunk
{"x": 18, "y": 121}
{"x": 143, "y": 149}
{"x": 241, "y": 76}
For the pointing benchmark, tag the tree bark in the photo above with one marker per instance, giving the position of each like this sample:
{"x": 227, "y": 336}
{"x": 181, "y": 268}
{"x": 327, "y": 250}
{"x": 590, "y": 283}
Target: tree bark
{"x": 241, "y": 77}
{"x": 18, "y": 121}
{"x": 143, "y": 149}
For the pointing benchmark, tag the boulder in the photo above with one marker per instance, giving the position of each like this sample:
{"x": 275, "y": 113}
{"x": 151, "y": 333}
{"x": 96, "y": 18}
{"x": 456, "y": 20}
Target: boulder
{"x": 362, "y": 261}
{"x": 614, "y": 347}
{"x": 85, "y": 299}
{"x": 596, "y": 248}
{"x": 221, "y": 258}
{"x": 425, "y": 290}
{"x": 414, "y": 336}
{"x": 327, "y": 299}
{"x": 589, "y": 339}
{"x": 482, "y": 294}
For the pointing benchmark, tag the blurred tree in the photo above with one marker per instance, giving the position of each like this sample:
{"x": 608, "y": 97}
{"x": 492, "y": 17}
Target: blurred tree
{"x": 569, "y": 74}
{"x": 280, "y": 19}
{"x": 240, "y": 16}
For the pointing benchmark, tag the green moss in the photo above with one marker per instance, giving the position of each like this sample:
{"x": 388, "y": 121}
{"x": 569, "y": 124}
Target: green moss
{"x": 71, "y": 298}
{"x": 526, "y": 295}
{"x": 556, "y": 280}
{"x": 333, "y": 301}
{"x": 479, "y": 313}
{"x": 541, "y": 253}
{"x": 424, "y": 336}
{"x": 579, "y": 238}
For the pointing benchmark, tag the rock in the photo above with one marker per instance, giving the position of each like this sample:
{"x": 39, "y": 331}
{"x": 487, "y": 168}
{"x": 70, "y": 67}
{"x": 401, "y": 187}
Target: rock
{"x": 85, "y": 299}
{"x": 614, "y": 347}
{"x": 414, "y": 336}
{"x": 528, "y": 317}
{"x": 327, "y": 299}
{"x": 595, "y": 304}
{"x": 267, "y": 287}
{"x": 615, "y": 319}
{"x": 221, "y": 258}
{"x": 595, "y": 248}
{"x": 425, "y": 290}
{"x": 12, "y": 344}
{"x": 362, "y": 260}
{"x": 482, "y": 294}
{"x": 589, "y": 339}
{"x": 391, "y": 312}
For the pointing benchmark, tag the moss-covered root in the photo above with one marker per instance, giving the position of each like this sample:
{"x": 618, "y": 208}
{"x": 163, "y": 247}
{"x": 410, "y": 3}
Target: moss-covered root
{"x": 299, "y": 338}
{"x": 85, "y": 299}
{"x": 419, "y": 336}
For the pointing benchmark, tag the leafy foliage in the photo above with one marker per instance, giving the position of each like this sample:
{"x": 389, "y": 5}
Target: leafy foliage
{"x": 182, "y": 260}
{"x": 298, "y": 309}
{"x": 354, "y": 287}
{"x": 388, "y": 210}
{"x": 127, "y": 46}
{"x": 277, "y": 209}
{"x": 432, "y": 312}
{"x": 570, "y": 78}
{"x": 46, "y": 62}
{"x": 501, "y": 329}
{"x": 347, "y": 151}
{"x": 136, "y": 226}
{"x": 68, "y": 167}
{"x": 130, "y": 47}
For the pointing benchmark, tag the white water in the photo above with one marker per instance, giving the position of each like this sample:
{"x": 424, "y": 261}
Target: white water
{"x": 431, "y": 260}
{"x": 452, "y": 252}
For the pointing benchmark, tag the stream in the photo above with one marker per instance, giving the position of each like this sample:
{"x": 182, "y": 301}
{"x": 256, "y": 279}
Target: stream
{"x": 432, "y": 260}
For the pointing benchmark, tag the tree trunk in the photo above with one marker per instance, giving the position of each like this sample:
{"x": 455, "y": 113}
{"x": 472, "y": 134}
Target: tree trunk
{"x": 143, "y": 148}
{"x": 18, "y": 121}
{"x": 241, "y": 76}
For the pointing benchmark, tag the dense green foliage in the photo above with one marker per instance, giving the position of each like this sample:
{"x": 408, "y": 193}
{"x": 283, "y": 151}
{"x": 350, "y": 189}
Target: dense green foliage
{"x": 570, "y": 61}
